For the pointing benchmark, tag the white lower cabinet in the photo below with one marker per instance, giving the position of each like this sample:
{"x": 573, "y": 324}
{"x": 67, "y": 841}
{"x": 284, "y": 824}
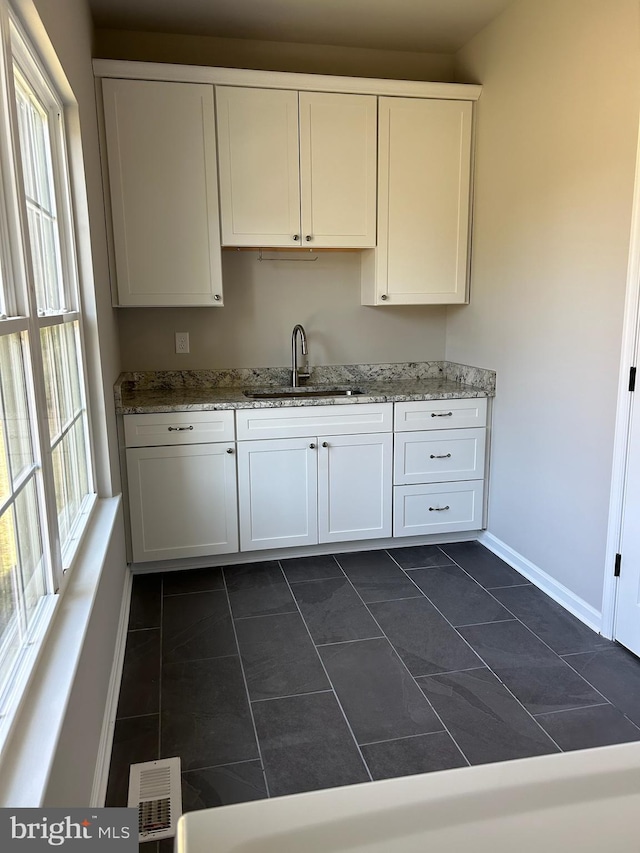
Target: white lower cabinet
{"x": 314, "y": 488}
{"x": 182, "y": 501}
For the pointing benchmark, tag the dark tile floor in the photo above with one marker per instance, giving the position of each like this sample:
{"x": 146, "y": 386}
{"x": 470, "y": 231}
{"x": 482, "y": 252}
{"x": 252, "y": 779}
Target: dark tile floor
{"x": 285, "y": 676}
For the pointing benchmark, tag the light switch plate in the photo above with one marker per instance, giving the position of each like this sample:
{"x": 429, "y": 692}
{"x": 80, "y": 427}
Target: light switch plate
{"x": 182, "y": 342}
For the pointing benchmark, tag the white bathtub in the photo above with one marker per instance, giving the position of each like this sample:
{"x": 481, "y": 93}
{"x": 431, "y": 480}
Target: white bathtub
{"x": 581, "y": 801}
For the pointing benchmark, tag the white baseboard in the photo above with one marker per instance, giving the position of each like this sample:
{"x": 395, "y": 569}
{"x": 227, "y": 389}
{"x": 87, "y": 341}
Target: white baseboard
{"x": 569, "y": 600}
{"x": 101, "y": 776}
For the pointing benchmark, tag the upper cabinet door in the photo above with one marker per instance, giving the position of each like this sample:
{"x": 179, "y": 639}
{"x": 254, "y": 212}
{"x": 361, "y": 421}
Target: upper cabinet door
{"x": 423, "y": 202}
{"x": 259, "y": 171}
{"x": 161, "y": 153}
{"x": 338, "y": 169}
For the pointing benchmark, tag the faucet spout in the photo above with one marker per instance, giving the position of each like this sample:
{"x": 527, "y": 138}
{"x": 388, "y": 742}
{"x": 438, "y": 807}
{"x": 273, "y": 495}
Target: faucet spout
{"x": 297, "y": 373}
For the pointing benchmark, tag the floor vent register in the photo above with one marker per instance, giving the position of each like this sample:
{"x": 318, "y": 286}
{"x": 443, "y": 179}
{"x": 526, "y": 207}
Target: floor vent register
{"x": 154, "y": 789}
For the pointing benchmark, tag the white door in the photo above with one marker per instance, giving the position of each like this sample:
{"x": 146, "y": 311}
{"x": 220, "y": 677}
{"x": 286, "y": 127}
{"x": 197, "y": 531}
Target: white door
{"x": 338, "y": 141}
{"x": 424, "y": 155}
{"x": 627, "y": 628}
{"x": 182, "y": 501}
{"x": 277, "y": 493}
{"x": 161, "y": 152}
{"x": 354, "y": 487}
{"x": 259, "y": 166}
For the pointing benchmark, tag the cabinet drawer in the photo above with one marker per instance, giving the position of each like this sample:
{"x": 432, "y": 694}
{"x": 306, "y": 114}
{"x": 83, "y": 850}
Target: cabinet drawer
{"x": 301, "y": 421}
{"x": 178, "y": 428}
{"x": 438, "y": 456}
{"x": 437, "y": 508}
{"x": 441, "y": 414}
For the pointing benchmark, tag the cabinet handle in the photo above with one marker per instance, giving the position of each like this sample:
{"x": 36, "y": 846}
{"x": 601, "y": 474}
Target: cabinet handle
{"x": 312, "y": 446}
{"x": 217, "y": 297}
{"x": 179, "y": 429}
{"x": 229, "y": 449}
{"x": 384, "y": 297}
{"x": 296, "y": 237}
{"x": 441, "y": 414}
{"x": 325, "y": 444}
{"x": 308, "y": 238}
{"x": 440, "y": 456}
{"x": 438, "y": 508}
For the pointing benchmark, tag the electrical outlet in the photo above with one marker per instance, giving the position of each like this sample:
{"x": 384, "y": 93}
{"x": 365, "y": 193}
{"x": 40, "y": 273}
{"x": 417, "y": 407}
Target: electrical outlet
{"x": 182, "y": 342}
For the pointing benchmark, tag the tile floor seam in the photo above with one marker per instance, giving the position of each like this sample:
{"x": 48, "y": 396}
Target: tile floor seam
{"x": 573, "y": 669}
{"x": 578, "y": 708}
{"x": 319, "y": 580}
{"x": 335, "y": 693}
{"x": 404, "y": 598}
{"x": 344, "y": 642}
{"x": 509, "y": 586}
{"x": 491, "y": 622}
{"x": 218, "y": 766}
{"x": 493, "y": 671}
{"x": 260, "y": 615}
{"x": 384, "y": 635}
{"x": 452, "y": 672}
{"x": 161, "y": 668}
{"x": 246, "y": 687}
{"x": 139, "y": 630}
{"x": 198, "y": 660}
{"x": 290, "y": 696}
{"x": 190, "y": 592}
{"x": 404, "y": 737}
{"x": 137, "y": 716}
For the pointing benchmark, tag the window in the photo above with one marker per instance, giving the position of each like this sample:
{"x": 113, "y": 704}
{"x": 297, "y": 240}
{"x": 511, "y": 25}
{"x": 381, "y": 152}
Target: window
{"x": 46, "y": 479}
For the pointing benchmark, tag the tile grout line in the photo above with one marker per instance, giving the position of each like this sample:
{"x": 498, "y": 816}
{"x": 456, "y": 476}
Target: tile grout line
{"x": 451, "y": 672}
{"x": 442, "y": 722}
{"x": 404, "y": 737}
{"x": 218, "y": 766}
{"x": 337, "y": 698}
{"x": 344, "y": 642}
{"x": 190, "y": 592}
{"x": 477, "y": 624}
{"x": 246, "y": 686}
{"x": 318, "y": 580}
{"x": 517, "y": 619}
{"x": 579, "y": 708}
{"x": 289, "y": 696}
{"x": 260, "y": 615}
{"x": 161, "y": 668}
{"x": 511, "y": 693}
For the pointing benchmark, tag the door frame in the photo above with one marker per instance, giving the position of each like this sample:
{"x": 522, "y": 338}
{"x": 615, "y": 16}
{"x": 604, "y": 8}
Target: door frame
{"x": 628, "y": 359}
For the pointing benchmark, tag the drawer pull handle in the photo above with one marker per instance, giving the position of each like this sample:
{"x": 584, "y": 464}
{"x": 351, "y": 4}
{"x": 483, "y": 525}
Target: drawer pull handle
{"x": 441, "y": 414}
{"x": 438, "y": 508}
{"x": 180, "y": 429}
{"x": 440, "y": 456}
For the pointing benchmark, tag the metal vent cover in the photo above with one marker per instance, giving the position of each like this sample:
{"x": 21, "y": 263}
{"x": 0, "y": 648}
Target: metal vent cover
{"x": 154, "y": 789}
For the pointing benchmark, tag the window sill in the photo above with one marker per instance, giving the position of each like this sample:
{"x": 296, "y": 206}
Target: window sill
{"x": 32, "y": 739}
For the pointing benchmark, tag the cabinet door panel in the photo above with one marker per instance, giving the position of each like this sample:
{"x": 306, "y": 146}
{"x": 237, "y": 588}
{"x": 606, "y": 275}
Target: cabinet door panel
{"x": 161, "y": 153}
{"x": 182, "y": 501}
{"x": 354, "y": 487}
{"x": 338, "y": 142}
{"x": 259, "y": 166}
{"x": 423, "y": 202}
{"x": 277, "y": 484}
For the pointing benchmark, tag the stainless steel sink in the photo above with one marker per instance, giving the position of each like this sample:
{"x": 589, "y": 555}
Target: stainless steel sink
{"x": 285, "y": 392}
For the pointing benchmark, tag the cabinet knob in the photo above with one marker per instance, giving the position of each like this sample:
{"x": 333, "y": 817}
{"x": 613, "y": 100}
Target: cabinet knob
{"x": 325, "y": 444}
{"x": 296, "y": 236}
{"x": 229, "y": 449}
{"x": 217, "y": 297}
{"x": 308, "y": 238}
{"x": 312, "y": 446}
{"x": 384, "y": 297}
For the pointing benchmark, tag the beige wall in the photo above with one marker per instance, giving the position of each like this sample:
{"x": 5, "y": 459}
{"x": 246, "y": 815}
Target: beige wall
{"x": 273, "y": 56}
{"x": 556, "y": 149}
{"x": 263, "y": 302}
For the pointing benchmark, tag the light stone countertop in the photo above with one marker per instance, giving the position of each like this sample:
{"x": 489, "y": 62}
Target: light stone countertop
{"x": 199, "y": 390}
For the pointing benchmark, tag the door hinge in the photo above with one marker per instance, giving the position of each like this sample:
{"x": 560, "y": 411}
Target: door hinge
{"x": 616, "y": 568}
{"x": 632, "y": 379}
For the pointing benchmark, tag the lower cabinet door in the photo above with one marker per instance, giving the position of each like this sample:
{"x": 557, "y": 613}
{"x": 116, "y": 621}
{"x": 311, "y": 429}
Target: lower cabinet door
{"x": 277, "y": 493}
{"x": 354, "y": 487}
{"x": 183, "y": 501}
{"x": 437, "y": 508}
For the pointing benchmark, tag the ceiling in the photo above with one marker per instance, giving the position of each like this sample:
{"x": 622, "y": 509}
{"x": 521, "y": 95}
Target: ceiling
{"x": 432, "y": 26}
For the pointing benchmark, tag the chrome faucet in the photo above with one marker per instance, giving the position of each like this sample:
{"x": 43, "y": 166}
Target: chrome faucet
{"x": 297, "y": 373}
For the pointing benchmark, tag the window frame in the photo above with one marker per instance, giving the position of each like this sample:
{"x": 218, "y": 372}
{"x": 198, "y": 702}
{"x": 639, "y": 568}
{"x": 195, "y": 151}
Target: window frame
{"x": 22, "y": 317}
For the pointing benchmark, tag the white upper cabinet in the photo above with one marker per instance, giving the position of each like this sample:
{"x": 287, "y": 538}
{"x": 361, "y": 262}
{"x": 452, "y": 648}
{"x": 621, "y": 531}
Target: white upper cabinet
{"x": 296, "y": 168}
{"x": 424, "y": 179}
{"x": 161, "y": 158}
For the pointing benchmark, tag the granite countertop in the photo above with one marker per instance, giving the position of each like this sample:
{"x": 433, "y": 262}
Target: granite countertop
{"x": 205, "y": 390}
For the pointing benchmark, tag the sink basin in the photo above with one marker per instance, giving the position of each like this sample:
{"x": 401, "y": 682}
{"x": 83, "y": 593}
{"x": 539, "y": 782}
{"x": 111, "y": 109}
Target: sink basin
{"x": 287, "y": 392}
